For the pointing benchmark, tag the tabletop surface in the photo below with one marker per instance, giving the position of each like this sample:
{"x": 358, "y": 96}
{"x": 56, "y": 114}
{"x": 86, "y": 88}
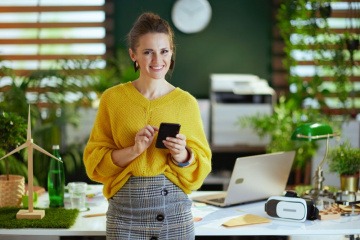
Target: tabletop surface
{"x": 210, "y": 220}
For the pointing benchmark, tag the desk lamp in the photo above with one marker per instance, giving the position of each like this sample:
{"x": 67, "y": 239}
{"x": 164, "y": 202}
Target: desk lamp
{"x": 314, "y": 132}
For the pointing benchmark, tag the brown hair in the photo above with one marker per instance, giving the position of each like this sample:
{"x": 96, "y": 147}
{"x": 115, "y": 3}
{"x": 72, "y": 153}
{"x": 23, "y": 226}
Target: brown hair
{"x": 149, "y": 23}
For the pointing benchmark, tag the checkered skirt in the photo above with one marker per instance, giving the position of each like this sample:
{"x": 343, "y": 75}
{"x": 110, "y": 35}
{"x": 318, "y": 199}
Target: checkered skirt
{"x": 149, "y": 208}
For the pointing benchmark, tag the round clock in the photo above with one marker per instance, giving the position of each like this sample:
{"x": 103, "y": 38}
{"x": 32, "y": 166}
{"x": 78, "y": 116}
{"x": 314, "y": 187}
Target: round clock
{"x": 191, "y": 16}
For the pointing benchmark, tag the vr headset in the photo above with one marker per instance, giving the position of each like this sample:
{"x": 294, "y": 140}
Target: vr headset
{"x": 291, "y": 208}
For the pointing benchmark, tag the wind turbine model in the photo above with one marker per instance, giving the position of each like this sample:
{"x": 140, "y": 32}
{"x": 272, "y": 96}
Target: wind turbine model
{"x": 30, "y": 213}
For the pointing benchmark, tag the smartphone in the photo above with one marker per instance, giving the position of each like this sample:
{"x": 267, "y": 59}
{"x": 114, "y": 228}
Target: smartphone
{"x": 166, "y": 130}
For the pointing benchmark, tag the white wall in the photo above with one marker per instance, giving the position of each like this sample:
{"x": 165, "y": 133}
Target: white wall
{"x": 81, "y": 133}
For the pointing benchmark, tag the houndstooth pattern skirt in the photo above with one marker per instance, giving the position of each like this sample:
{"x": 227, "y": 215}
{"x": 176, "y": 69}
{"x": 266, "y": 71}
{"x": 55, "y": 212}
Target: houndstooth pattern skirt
{"x": 149, "y": 208}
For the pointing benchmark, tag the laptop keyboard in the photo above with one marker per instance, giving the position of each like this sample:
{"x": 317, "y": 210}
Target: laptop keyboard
{"x": 218, "y": 200}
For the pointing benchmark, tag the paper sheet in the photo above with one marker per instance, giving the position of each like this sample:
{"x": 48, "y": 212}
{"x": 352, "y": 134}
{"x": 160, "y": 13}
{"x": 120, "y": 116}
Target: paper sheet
{"x": 246, "y": 219}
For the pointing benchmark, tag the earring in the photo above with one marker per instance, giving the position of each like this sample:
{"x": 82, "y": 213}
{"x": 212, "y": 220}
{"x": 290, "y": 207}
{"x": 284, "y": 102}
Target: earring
{"x": 136, "y": 66}
{"x": 172, "y": 64}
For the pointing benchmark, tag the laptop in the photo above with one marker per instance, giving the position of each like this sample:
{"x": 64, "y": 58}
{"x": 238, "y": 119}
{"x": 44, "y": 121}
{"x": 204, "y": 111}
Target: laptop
{"x": 254, "y": 178}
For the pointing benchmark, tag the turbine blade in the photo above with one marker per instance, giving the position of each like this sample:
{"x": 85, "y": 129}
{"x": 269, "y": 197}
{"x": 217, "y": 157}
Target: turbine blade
{"x": 45, "y": 152}
{"x": 15, "y": 150}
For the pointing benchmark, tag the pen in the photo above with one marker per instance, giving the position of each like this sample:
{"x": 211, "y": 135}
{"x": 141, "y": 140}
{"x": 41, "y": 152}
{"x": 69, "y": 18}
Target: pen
{"x": 94, "y": 215}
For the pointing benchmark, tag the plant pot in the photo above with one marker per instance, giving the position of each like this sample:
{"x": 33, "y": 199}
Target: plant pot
{"x": 325, "y": 10}
{"x": 352, "y": 44}
{"x": 349, "y": 182}
{"x": 11, "y": 190}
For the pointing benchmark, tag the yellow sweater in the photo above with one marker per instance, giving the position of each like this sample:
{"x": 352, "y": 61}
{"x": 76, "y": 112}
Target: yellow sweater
{"x": 122, "y": 112}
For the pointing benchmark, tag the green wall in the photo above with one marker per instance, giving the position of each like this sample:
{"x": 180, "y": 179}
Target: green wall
{"x": 237, "y": 40}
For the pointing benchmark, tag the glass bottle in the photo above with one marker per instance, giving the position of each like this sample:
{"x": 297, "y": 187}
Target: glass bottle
{"x": 56, "y": 180}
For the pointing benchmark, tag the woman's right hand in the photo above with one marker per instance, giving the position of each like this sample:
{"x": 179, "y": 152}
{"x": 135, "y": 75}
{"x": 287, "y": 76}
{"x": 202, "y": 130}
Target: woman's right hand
{"x": 144, "y": 138}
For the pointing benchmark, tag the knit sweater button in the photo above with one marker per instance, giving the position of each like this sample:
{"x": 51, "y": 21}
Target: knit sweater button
{"x": 160, "y": 218}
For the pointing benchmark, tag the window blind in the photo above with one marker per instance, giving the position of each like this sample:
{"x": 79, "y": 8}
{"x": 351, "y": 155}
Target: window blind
{"x": 43, "y": 35}
{"x": 344, "y": 19}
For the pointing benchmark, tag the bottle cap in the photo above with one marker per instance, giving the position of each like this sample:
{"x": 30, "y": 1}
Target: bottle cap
{"x": 55, "y": 147}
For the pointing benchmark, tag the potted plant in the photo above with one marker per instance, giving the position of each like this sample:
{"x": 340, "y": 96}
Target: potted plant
{"x": 345, "y": 160}
{"x": 279, "y": 127}
{"x": 12, "y": 134}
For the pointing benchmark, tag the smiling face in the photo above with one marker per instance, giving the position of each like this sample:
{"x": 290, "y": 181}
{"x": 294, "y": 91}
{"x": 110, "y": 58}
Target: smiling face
{"x": 153, "y": 54}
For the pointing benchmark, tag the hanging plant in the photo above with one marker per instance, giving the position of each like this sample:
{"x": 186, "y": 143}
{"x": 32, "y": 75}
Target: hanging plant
{"x": 303, "y": 27}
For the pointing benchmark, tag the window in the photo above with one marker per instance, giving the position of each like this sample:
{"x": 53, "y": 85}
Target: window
{"x": 39, "y": 35}
{"x": 343, "y": 21}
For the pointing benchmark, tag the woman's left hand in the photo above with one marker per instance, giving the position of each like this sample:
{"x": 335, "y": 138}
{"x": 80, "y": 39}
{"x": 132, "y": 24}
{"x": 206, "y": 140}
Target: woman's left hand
{"x": 177, "y": 147}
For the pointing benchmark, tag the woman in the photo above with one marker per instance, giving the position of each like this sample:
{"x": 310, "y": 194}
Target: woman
{"x": 146, "y": 186}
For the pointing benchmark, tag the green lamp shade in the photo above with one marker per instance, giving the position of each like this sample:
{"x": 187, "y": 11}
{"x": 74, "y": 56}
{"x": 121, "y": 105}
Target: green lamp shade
{"x": 312, "y": 131}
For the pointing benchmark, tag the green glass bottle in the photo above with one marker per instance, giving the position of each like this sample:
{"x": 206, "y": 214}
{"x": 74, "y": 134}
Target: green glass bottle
{"x": 56, "y": 180}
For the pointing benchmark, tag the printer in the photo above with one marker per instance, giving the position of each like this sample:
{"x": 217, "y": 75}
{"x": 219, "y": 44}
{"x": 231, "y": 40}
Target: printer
{"x": 233, "y": 96}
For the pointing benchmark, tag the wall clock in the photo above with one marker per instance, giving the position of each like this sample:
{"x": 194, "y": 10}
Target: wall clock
{"x": 191, "y": 16}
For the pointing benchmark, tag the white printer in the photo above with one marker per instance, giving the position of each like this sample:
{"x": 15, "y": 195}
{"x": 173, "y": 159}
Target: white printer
{"x": 234, "y": 96}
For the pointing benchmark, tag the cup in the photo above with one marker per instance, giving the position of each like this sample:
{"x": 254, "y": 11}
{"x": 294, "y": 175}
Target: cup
{"x": 25, "y": 200}
{"x": 77, "y": 193}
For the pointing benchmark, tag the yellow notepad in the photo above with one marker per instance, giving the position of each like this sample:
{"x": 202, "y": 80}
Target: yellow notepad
{"x": 246, "y": 219}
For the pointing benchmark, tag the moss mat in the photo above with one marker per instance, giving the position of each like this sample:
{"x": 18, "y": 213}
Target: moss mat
{"x": 54, "y": 218}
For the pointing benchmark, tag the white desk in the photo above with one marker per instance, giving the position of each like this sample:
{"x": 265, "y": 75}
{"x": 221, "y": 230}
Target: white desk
{"x": 210, "y": 225}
